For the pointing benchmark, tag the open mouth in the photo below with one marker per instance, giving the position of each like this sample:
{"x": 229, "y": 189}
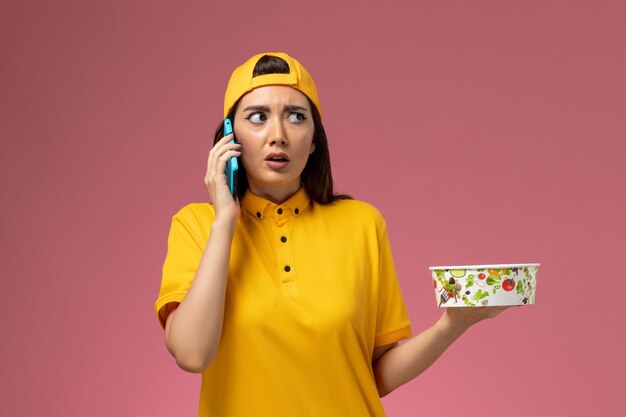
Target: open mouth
{"x": 277, "y": 157}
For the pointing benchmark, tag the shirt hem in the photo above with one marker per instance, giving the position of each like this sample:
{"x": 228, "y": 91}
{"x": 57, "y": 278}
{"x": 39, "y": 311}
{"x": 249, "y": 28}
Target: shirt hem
{"x": 176, "y": 297}
{"x": 394, "y": 336}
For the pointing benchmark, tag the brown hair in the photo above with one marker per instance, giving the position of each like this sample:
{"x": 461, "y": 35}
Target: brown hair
{"x": 316, "y": 177}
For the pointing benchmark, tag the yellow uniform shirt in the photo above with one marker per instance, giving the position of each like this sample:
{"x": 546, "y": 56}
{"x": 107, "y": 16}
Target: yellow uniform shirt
{"x": 312, "y": 290}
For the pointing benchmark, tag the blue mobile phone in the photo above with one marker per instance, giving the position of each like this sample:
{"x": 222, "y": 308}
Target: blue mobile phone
{"x": 232, "y": 165}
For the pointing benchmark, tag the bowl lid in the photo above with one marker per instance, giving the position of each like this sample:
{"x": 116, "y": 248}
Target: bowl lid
{"x": 491, "y": 266}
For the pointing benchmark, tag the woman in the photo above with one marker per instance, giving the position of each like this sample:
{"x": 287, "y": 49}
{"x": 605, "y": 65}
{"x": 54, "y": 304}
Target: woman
{"x": 286, "y": 298}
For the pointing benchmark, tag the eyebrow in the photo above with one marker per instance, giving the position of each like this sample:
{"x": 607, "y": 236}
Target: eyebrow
{"x": 266, "y": 109}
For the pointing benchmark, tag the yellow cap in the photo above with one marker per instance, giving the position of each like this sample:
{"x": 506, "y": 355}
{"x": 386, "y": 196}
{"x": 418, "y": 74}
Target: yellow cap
{"x": 241, "y": 81}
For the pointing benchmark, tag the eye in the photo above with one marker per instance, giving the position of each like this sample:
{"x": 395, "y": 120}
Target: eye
{"x": 257, "y": 117}
{"x": 296, "y": 117}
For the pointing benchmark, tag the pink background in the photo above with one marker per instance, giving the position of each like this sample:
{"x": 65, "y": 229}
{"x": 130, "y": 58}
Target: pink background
{"x": 485, "y": 131}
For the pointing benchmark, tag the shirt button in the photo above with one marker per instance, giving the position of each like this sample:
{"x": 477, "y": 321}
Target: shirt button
{"x": 258, "y": 214}
{"x": 297, "y": 211}
{"x": 287, "y": 268}
{"x": 283, "y": 239}
{"x": 280, "y": 211}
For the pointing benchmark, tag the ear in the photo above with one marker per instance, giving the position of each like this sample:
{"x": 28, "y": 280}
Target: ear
{"x": 312, "y": 148}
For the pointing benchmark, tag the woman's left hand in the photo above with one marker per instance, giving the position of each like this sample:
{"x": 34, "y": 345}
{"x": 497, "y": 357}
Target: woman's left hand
{"x": 462, "y": 318}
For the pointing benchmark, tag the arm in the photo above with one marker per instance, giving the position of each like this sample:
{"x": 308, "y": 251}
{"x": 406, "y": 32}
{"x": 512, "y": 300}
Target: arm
{"x": 400, "y": 364}
{"x": 193, "y": 328}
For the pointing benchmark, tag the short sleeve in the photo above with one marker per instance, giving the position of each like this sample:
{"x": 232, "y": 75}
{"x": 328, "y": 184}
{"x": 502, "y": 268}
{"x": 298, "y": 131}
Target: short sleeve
{"x": 392, "y": 321}
{"x": 185, "y": 245}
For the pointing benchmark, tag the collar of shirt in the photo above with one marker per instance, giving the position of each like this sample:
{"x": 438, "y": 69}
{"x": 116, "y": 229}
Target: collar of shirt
{"x": 261, "y": 208}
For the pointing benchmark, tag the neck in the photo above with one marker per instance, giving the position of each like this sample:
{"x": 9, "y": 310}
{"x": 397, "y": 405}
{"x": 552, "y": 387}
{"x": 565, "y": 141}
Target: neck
{"x": 275, "y": 195}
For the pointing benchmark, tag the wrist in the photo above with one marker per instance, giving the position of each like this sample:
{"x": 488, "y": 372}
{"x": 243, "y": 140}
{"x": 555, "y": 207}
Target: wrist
{"x": 451, "y": 325}
{"x": 224, "y": 225}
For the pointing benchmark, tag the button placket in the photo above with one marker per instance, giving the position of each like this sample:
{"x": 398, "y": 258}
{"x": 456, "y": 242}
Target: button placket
{"x": 280, "y": 216}
{"x": 285, "y": 258}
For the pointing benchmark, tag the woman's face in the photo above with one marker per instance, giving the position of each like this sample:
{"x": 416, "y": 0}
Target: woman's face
{"x": 274, "y": 125}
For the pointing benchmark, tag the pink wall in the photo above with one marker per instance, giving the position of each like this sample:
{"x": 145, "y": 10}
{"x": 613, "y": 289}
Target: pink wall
{"x": 485, "y": 131}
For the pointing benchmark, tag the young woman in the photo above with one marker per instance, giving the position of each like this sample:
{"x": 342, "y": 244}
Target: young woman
{"x": 286, "y": 298}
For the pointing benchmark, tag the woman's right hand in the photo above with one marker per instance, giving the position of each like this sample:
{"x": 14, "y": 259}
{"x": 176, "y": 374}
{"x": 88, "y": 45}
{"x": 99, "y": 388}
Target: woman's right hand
{"x": 226, "y": 207}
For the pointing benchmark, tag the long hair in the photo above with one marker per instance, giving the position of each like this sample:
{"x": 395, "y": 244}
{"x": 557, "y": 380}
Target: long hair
{"x": 316, "y": 177}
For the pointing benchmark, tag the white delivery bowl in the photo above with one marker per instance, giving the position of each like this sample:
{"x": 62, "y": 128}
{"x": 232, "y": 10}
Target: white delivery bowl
{"x": 485, "y": 285}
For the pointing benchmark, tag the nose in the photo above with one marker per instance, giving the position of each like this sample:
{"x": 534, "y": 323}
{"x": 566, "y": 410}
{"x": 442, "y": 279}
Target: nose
{"x": 278, "y": 133}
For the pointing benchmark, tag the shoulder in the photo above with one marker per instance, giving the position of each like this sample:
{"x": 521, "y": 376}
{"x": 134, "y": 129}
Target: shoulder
{"x": 355, "y": 207}
{"x": 195, "y": 210}
{"x": 195, "y": 216}
{"x": 354, "y": 212}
